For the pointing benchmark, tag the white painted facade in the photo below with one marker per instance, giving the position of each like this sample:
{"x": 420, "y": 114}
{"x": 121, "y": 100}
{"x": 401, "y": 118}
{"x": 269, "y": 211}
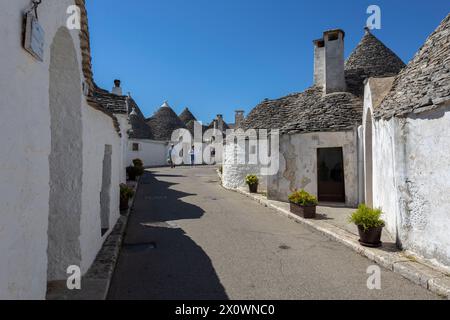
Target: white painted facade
{"x": 298, "y": 164}
{"x": 411, "y": 178}
{"x": 152, "y": 153}
{"x": 27, "y": 150}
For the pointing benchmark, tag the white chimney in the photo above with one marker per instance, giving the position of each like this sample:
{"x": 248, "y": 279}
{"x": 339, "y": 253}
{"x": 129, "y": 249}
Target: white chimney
{"x": 117, "y": 90}
{"x": 329, "y": 71}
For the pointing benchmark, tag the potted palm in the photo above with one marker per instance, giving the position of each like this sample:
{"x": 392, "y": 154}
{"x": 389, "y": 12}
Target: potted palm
{"x": 252, "y": 181}
{"x": 370, "y": 225}
{"x": 126, "y": 193}
{"x": 303, "y": 204}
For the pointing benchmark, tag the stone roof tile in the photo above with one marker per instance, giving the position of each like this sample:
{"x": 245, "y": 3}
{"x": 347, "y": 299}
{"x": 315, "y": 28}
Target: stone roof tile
{"x": 425, "y": 83}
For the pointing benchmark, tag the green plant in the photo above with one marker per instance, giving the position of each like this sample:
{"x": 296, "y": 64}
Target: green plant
{"x": 138, "y": 163}
{"x": 252, "y": 180}
{"x": 303, "y": 198}
{"x": 134, "y": 172}
{"x": 221, "y": 169}
{"x": 367, "y": 218}
{"x": 126, "y": 192}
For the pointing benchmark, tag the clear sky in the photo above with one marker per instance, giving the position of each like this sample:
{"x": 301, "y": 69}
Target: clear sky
{"x": 216, "y": 56}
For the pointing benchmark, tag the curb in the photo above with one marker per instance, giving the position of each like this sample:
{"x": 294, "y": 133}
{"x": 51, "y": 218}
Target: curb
{"x": 96, "y": 282}
{"x": 429, "y": 278}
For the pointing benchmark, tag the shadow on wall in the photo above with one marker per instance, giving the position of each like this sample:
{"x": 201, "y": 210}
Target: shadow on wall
{"x": 158, "y": 260}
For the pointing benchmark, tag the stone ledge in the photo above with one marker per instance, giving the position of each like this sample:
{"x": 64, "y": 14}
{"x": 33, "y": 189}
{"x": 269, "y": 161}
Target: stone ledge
{"x": 96, "y": 282}
{"x": 396, "y": 261}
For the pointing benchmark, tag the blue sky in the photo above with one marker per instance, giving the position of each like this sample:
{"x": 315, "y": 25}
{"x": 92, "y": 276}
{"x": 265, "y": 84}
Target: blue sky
{"x": 216, "y": 56}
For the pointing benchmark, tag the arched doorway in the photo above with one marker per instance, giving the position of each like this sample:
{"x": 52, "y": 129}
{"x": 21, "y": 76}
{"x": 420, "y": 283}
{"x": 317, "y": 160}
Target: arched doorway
{"x": 66, "y": 158}
{"x": 368, "y": 159}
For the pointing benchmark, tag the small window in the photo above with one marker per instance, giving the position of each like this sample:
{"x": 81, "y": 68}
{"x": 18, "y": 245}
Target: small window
{"x": 135, "y": 146}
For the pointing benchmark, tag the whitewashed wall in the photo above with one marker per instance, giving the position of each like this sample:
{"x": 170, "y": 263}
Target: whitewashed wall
{"x": 152, "y": 153}
{"x": 98, "y": 131}
{"x": 25, "y": 141}
{"x": 411, "y": 179}
{"x": 411, "y": 182}
{"x": 125, "y": 126}
{"x": 298, "y": 164}
{"x": 234, "y": 172}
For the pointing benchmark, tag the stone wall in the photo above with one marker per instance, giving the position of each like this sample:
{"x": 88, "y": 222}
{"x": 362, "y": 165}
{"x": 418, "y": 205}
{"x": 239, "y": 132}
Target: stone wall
{"x": 26, "y": 144}
{"x": 411, "y": 179}
{"x": 298, "y": 164}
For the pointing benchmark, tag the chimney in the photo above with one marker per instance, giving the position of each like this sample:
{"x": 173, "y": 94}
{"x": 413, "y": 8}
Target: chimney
{"x": 334, "y": 61}
{"x": 239, "y": 118}
{"x": 319, "y": 62}
{"x": 220, "y": 122}
{"x": 117, "y": 90}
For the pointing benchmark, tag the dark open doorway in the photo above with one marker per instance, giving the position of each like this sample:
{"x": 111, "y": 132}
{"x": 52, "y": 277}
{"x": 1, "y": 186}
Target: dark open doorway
{"x": 330, "y": 173}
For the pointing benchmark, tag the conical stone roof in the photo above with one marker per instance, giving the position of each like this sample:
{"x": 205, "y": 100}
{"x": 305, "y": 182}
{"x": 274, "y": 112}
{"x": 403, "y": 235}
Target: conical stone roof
{"x": 164, "y": 122}
{"x": 186, "y": 116}
{"x": 371, "y": 58}
{"x": 424, "y": 84}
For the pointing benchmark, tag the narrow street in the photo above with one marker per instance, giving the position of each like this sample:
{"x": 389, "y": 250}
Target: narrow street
{"x": 188, "y": 238}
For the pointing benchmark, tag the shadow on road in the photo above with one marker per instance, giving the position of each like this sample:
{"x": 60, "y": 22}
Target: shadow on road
{"x": 158, "y": 260}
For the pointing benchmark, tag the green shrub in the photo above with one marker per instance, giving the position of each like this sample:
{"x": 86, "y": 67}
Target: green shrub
{"x": 138, "y": 163}
{"x": 126, "y": 192}
{"x": 252, "y": 180}
{"x": 303, "y": 198}
{"x": 367, "y": 217}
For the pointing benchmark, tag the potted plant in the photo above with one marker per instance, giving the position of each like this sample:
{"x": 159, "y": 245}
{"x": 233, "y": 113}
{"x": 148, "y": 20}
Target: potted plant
{"x": 370, "y": 225}
{"x": 303, "y": 204}
{"x": 138, "y": 163}
{"x": 132, "y": 172}
{"x": 252, "y": 181}
{"x": 126, "y": 193}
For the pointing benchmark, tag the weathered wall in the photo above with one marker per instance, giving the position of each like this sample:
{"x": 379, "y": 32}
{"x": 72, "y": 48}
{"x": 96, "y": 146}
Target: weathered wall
{"x": 234, "y": 172}
{"x": 298, "y": 164}
{"x": 25, "y": 144}
{"x": 152, "y": 153}
{"x": 97, "y": 132}
{"x": 25, "y": 141}
{"x": 411, "y": 179}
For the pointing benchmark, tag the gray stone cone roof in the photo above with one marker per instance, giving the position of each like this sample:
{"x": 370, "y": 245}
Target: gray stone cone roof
{"x": 164, "y": 122}
{"x": 190, "y": 126}
{"x": 313, "y": 111}
{"x": 425, "y": 83}
{"x": 371, "y": 58}
{"x": 186, "y": 116}
{"x": 118, "y": 105}
{"x": 139, "y": 128}
{"x": 112, "y": 102}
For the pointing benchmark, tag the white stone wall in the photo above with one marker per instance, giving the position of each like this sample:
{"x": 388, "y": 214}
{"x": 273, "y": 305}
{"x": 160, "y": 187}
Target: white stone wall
{"x": 411, "y": 182}
{"x": 411, "y": 179}
{"x": 98, "y": 131}
{"x": 152, "y": 153}
{"x": 298, "y": 164}
{"x": 234, "y": 173}
{"x": 25, "y": 141}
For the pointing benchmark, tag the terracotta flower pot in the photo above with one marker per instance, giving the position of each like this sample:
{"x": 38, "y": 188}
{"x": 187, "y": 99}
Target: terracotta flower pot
{"x": 307, "y": 212}
{"x": 371, "y": 237}
{"x": 253, "y": 188}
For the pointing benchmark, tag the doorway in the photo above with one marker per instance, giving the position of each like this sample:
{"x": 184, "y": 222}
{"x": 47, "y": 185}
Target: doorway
{"x": 330, "y": 173}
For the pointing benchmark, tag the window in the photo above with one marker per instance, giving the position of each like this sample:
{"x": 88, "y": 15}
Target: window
{"x": 135, "y": 146}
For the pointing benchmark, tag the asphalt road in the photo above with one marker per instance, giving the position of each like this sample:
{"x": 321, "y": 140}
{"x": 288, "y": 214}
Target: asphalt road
{"x": 188, "y": 238}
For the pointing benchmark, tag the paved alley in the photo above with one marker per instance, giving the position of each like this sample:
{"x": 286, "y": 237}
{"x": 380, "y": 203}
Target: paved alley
{"x": 188, "y": 238}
